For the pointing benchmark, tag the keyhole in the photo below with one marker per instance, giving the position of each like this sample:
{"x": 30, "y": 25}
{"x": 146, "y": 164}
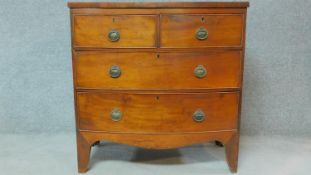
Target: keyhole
{"x": 158, "y": 55}
{"x": 202, "y": 19}
{"x": 157, "y": 97}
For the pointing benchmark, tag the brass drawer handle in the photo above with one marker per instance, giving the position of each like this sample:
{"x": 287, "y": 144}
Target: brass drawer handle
{"x": 198, "y": 116}
{"x": 114, "y": 35}
{"x": 115, "y": 71}
{"x": 201, "y": 34}
{"x": 116, "y": 115}
{"x": 200, "y": 71}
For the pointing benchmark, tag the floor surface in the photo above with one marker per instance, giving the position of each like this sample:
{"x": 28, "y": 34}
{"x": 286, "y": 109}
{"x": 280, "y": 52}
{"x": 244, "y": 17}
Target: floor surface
{"x": 56, "y": 155}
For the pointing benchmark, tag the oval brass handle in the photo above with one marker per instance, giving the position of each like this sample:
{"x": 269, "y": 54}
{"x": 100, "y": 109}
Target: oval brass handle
{"x": 115, "y": 71}
{"x": 116, "y": 115}
{"x": 200, "y": 71}
{"x": 201, "y": 34}
{"x": 114, "y": 35}
{"x": 198, "y": 116}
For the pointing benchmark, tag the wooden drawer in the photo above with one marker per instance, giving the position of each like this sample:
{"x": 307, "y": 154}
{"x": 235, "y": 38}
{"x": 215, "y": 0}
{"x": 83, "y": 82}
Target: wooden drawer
{"x": 206, "y": 30}
{"x": 156, "y": 113}
{"x": 133, "y": 31}
{"x": 158, "y": 70}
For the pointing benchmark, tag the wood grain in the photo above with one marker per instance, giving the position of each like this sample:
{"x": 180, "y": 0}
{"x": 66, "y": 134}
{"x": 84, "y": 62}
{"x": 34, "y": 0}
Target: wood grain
{"x": 83, "y": 150}
{"x": 157, "y": 113}
{"x": 128, "y": 5}
{"x": 157, "y": 91}
{"x": 161, "y": 141}
{"x": 155, "y": 11}
{"x": 135, "y": 30}
{"x": 180, "y": 30}
{"x": 232, "y": 152}
{"x": 145, "y": 70}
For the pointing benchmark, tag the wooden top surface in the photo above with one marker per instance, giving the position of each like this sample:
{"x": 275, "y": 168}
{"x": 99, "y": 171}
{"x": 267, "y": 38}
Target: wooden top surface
{"x": 162, "y": 4}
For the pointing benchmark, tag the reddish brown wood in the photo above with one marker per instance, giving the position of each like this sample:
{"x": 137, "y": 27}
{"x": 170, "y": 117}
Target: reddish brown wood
{"x": 158, "y": 94}
{"x": 163, "y": 141}
{"x": 157, "y": 11}
{"x": 232, "y": 152}
{"x": 242, "y": 72}
{"x": 158, "y": 140}
{"x": 83, "y": 148}
{"x": 146, "y": 70}
{"x": 135, "y": 30}
{"x": 180, "y": 30}
{"x": 157, "y": 113}
{"x": 127, "y": 5}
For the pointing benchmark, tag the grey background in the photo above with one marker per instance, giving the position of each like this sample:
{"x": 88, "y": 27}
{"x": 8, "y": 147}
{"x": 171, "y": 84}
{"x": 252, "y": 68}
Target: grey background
{"x": 36, "y": 80}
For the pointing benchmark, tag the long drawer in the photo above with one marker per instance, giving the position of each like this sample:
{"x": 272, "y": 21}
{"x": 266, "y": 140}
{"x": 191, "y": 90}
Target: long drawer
{"x": 156, "y": 113}
{"x": 179, "y": 70}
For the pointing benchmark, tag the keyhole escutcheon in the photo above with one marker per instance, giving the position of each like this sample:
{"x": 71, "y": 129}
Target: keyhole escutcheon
{"x": 202, "y": 19}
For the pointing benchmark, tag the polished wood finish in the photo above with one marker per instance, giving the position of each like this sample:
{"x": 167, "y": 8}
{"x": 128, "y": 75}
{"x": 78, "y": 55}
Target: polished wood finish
{"x": 232, "y": 151}
{"x": 92, "y": 31}
{"x": 155, "y": 11}
{"x": 129, "y": 5}
{"x": 180, "y": 30}
{"x": 157, "y": 113}
{"x": 163, "y": 141}
{"x": 84, "y": 149}
{"x": 146, "y": 70}
{"x": 157, "y": 91}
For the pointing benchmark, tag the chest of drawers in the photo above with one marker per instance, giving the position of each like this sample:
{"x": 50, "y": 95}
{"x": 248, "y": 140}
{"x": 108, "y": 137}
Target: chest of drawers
{"x": 158, "y": 75}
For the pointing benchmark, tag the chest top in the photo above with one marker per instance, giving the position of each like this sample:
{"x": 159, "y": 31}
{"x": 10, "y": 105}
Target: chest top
{"x": 161, "y": 4}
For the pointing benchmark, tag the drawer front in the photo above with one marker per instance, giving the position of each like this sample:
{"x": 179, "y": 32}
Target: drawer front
{"x": 115, "y": 31}
{"x": 156, "y": 113}
{"x": 158, "y": 70}
{"x": 183, "y": 31}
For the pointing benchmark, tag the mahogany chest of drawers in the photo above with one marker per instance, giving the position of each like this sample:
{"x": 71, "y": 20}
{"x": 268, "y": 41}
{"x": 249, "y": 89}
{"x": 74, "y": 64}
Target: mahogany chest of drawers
{"x": 158, "y": 75}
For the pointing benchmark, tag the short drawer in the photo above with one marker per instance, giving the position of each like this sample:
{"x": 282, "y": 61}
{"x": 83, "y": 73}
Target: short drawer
{"x": 115, "y": 31}
{"x": 206, "y": 30}
{"x": 107, "y": 70}
{"x": 155, "y": 113}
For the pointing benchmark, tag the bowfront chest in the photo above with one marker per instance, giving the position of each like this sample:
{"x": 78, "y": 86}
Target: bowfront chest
{"x": 158, "y": 75}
